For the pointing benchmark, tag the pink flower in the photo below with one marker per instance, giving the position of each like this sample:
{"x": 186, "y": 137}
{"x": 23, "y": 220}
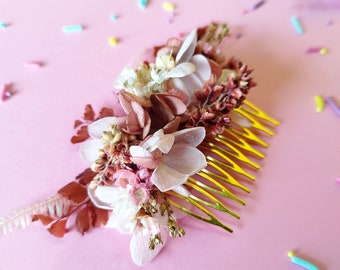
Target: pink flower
{"x": 174, "y": 157}
{"x": 123, "y": 178}
{"x": 139, "y": 194}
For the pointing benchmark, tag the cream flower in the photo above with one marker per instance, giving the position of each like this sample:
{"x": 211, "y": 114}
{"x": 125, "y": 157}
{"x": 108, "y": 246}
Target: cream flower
{"x": 195, "y": 80}
{"x": 117, "y": 199}
{"x": 124, "y": 218}
{"x": 174, "y": 157}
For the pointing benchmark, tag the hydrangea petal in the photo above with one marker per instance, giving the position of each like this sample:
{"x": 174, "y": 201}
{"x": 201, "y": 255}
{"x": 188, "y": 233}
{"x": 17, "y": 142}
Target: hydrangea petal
{"x": 185, "y": 159}
{"x": 203, "y": 69}
{"x": 188, "y": 48}
{"x": 141, "y": 254}
{"x": 182, "y": 190}
{"x": 192, "y": 83}
{"x": 181, "y": 70}
{"x": 177, "y": 83}
{"x": 166, "y": 143}
{"x": 91, "y": 191}
{"x": 96, "y": 128}
{"x": 192, "y": 136}
{"x": 89, "y": 150}
{"x": 166, "y": 178}
{"x": 138, "y": 151}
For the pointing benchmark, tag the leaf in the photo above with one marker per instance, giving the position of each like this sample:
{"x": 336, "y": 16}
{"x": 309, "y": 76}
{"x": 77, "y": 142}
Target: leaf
{"x": 82, "y": 135}
{"x": 77, "y": 123}
{"x": 99, "y": 216}
{"x": 104, "y": 112}
{"x": 86, "y": 176}
{"x": 58, "y": 228}
{"x": 89, "y": 113}
{"x": 83, "y": 220}
{"x": 74, "y": 192}
{"x": 45, "y": 220}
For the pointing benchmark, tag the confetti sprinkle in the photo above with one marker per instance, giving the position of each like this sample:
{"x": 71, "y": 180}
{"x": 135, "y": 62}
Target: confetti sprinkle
{"x": 33, "y": 64}
{"x": 323, "y": 51}
{"x": 331, "y": 103}
{"x": 301, "y": 262}
{"x": 320, "y": 104}
{"x": 238, "y": 35}
{"x": 329, "y": 23}
{"x": 168, "y": 6}
{"x": 72, "y": 28}
{"x": 143, "y": 4}
{"x": 297, "y": 25}
{"x": 6, "y": 92}
{"x": 3, "y": 25}
{"x": 258, "y": 4}
{"x": 314, "y": 50}
{"x": 338, "y": 180}
{"x": 113, "y": 41}
{"x": 113, "y": 16}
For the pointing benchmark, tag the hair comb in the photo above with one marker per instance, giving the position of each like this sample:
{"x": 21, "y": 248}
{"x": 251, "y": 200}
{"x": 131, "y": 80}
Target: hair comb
{"x": 185, "y": 146}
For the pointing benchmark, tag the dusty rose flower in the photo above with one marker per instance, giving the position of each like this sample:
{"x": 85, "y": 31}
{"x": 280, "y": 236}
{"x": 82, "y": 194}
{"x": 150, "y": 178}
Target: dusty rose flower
{"x": 137, "y": 120}
{"x": 165, "y": 112}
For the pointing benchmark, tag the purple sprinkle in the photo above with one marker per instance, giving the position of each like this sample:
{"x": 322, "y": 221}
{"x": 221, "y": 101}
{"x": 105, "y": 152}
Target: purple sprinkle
{"x": 331, "y": 103}
{"x": 238, "y": 35}
{"x": 329, "y": 23}
{"x": 258, "y": 4}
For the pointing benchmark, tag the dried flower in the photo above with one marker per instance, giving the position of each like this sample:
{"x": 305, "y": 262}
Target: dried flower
{"x": 173, "y": 156}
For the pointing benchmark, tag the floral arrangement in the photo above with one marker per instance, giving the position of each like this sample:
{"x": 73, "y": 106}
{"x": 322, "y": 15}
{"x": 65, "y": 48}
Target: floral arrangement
{"x": 183, "y": 141}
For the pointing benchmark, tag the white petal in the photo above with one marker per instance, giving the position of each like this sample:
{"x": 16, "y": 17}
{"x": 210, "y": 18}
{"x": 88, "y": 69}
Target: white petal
{"x": 108, "y": 195}
{"x": 188, "y": 48}
{"x": 95, "y": 200}
{"x": 192, "y": 83}
{"x": 185, "y": 159}
{"x": 182, "y": 190}
{"x": 166, "y": 178}
{"x": 138, "y": 151}
{"x": 89, "y": 150}
{"x": 181, "y": 70}
{"x": 177, "y": 83}
{"x": 139, "y": 247}
{"x": 96, "y": 128}
{"x": 203, "y": 70}
{"x": 191, "y": 136}
{"x": 166, "y": 143}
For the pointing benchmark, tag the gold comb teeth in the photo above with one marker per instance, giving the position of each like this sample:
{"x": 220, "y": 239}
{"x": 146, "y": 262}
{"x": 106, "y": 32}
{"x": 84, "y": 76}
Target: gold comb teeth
{"x": 227, "y": 155}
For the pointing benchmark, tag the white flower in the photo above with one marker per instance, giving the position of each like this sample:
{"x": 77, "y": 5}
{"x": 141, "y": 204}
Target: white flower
{"x": 117, "y": 199}
{"x": 174, "y": 157}
{"x": 188, "y": 84}
{"x": 123, "y": 217}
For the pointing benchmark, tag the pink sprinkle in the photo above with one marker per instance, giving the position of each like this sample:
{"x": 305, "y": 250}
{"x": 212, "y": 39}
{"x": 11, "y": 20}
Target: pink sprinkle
{"x": 6, "y": 92}
{"x": 180, "y": 35}
{"x": 33, "y": 64}
{"x": 338, "y": 180}
{"x": 313, "y": 50}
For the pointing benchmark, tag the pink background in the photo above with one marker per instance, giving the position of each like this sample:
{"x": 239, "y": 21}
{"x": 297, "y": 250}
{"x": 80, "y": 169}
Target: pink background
{"x": 295, "y": 202}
